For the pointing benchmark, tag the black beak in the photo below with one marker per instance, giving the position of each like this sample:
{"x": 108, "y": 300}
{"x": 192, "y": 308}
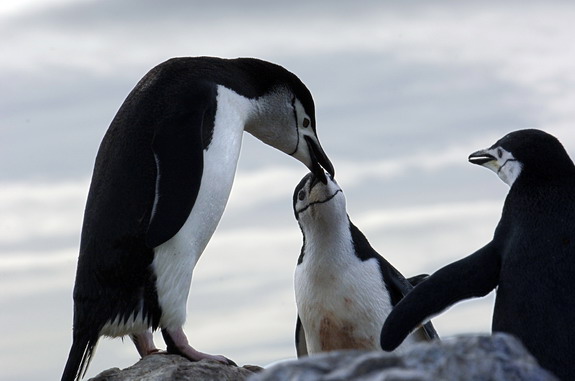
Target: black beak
{"x": 319, "y": 161}
{"x": 315, "y": 180}
{"x": 480, "y": 157}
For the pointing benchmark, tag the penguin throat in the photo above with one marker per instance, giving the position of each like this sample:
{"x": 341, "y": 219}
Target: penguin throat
{"x": 509, "y": 171}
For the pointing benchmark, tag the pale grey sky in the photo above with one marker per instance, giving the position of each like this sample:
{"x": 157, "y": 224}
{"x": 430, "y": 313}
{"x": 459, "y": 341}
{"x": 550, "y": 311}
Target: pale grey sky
{"x": 403, "y": 94}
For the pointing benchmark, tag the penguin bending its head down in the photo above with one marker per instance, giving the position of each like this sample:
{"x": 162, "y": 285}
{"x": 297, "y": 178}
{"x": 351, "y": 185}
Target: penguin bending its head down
{"x": 344, "y": 289}
{"x": 161, "y": 181}
{"x": 531, "y": 259}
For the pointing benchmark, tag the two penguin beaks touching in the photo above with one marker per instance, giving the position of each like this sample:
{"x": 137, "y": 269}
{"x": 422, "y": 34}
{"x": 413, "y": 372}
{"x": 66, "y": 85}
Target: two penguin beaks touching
{"x": 344, "y": 288}
{"x": 163, "y": 175}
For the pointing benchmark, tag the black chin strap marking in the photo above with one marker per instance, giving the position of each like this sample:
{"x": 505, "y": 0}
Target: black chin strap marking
{"x": 296, "y": 125}
{"x": 318, "y": 202}
{"x": 506, "y": 161}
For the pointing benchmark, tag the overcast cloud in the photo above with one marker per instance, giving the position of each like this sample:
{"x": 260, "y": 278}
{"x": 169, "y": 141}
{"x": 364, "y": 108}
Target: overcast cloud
{"x": 404, "y": 92}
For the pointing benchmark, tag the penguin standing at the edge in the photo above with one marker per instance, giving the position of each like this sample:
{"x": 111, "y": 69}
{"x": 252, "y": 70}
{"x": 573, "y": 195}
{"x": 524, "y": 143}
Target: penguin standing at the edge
{"x": 344, "y": 289}
{"x": 161, "y": 181}
{"x": 531, "y": 259}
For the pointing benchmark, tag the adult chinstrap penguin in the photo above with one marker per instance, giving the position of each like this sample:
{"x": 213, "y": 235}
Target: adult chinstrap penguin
{"x": 531, "y": 259}
{"x": 161, "y": 181}
{"x": 344, "y": 289}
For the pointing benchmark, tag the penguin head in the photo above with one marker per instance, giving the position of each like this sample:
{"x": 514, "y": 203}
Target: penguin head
{"x": 531, "y": 153}
{"x": 307, "y": 147}
{"x": 284, "y": 118}
{"x": 315, "y": 202}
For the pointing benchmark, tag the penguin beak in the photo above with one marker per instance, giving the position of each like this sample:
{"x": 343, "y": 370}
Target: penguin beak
{"x": 481, "y": 157}
{"x": 319, "y": 160}
{"x": 314, "y": 181}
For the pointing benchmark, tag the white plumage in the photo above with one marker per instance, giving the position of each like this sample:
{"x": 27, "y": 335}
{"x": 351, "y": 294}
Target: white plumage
{"x": 341, "y": 295}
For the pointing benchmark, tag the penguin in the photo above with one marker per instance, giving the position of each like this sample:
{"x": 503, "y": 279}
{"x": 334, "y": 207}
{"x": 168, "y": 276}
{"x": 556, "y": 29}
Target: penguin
{"x": 161, "y": 180}
{"x": 344, "y": 289}
{"x": 530, "y": 260}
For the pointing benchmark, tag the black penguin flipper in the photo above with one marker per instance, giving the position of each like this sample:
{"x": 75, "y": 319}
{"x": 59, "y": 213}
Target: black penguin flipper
{"x": 300, "y": 343}
{"x": 178, "y": 146}
{"x": 415, "y": 280}
{"x": 179, "y": 164}
{"x": 429, "y": 331}
{"x": 472, "y": 276}
{"x": 398, "y": 286}
{"x": 404, "y": 287}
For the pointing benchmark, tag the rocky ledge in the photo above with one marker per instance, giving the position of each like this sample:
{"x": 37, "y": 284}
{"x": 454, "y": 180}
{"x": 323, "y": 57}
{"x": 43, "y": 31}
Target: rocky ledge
{"x": 164, "y": 367}
{"x": 496, "y": 358}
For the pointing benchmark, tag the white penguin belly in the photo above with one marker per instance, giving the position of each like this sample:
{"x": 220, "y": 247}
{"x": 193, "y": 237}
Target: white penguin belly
{"x": 341, "y": 306}
{"x": 175, "y": 259}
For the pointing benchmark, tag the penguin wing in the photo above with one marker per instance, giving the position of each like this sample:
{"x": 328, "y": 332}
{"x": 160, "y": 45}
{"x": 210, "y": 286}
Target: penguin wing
{"x": 178, "y": 146}
{"x": 473, "y": 276}
{"x": 396, "y": 283}
{"x": 300, "y": 343}
{"x": 415, "y": 280}
{"x": 405, "y": 286}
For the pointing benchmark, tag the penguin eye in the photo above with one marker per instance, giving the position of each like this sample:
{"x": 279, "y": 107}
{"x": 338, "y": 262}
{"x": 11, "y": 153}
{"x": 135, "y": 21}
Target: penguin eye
{"x": 305, "y": 122}
{"x": 499, "y": 152}
{"x": 301, "y": 195}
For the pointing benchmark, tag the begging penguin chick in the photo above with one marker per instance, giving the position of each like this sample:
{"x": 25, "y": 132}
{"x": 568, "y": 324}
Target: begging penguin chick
{"x": 531, "y": 259}
{"x": 161, "y": 181}
{"x": 344, "y": 289}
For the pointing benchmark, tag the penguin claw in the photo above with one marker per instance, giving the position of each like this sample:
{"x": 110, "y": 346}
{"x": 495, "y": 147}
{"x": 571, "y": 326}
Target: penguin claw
{"x": 194, "y": 355}
{"x": 204, "y": 356}
{"x": 178, "y": 344}
{"x": 225, "y": 360}
{"x": 156, "y": 352}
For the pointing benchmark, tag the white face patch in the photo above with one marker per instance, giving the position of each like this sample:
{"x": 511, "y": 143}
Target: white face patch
{"x": 505, "y": 165}
{"x": 304, "y": 129}
{"x": 273, "y": 122}
{"x": 302, "y": 118}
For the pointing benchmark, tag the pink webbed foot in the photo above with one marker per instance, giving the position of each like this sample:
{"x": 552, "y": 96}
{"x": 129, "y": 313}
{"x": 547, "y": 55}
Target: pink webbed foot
{"x": 177, "y": 343}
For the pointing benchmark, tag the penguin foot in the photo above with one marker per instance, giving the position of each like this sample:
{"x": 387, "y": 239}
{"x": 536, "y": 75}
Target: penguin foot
{"x": 177, "y": 343}
{"x": 144, "y": 343}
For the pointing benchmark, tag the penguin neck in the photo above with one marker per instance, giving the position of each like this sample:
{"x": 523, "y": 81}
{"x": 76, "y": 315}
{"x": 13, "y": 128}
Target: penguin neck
{"x": 270, "y": 120}
{"x": 328, "y": 240}
{"x": 557, "y": 175}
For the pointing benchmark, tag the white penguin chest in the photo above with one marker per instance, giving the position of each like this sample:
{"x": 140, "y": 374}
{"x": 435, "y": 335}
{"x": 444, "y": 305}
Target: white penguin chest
{"x": 220, "y": 163}
{"x": 175, "y": 259}
{"x": 342, "y": 303}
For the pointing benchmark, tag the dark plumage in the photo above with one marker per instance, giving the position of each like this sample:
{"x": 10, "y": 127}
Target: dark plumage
{"x": 531, "y": 259}
{"x": 175, "y": 140}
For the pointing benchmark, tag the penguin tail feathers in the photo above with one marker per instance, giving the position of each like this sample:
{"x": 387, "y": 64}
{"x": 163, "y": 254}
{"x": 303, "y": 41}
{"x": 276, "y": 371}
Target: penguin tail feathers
{"x": 79, "y": 358}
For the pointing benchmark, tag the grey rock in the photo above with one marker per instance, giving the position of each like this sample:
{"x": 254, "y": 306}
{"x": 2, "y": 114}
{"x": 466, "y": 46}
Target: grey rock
{"x": 499, "y": 357}
{"x": 164, "y": 367}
